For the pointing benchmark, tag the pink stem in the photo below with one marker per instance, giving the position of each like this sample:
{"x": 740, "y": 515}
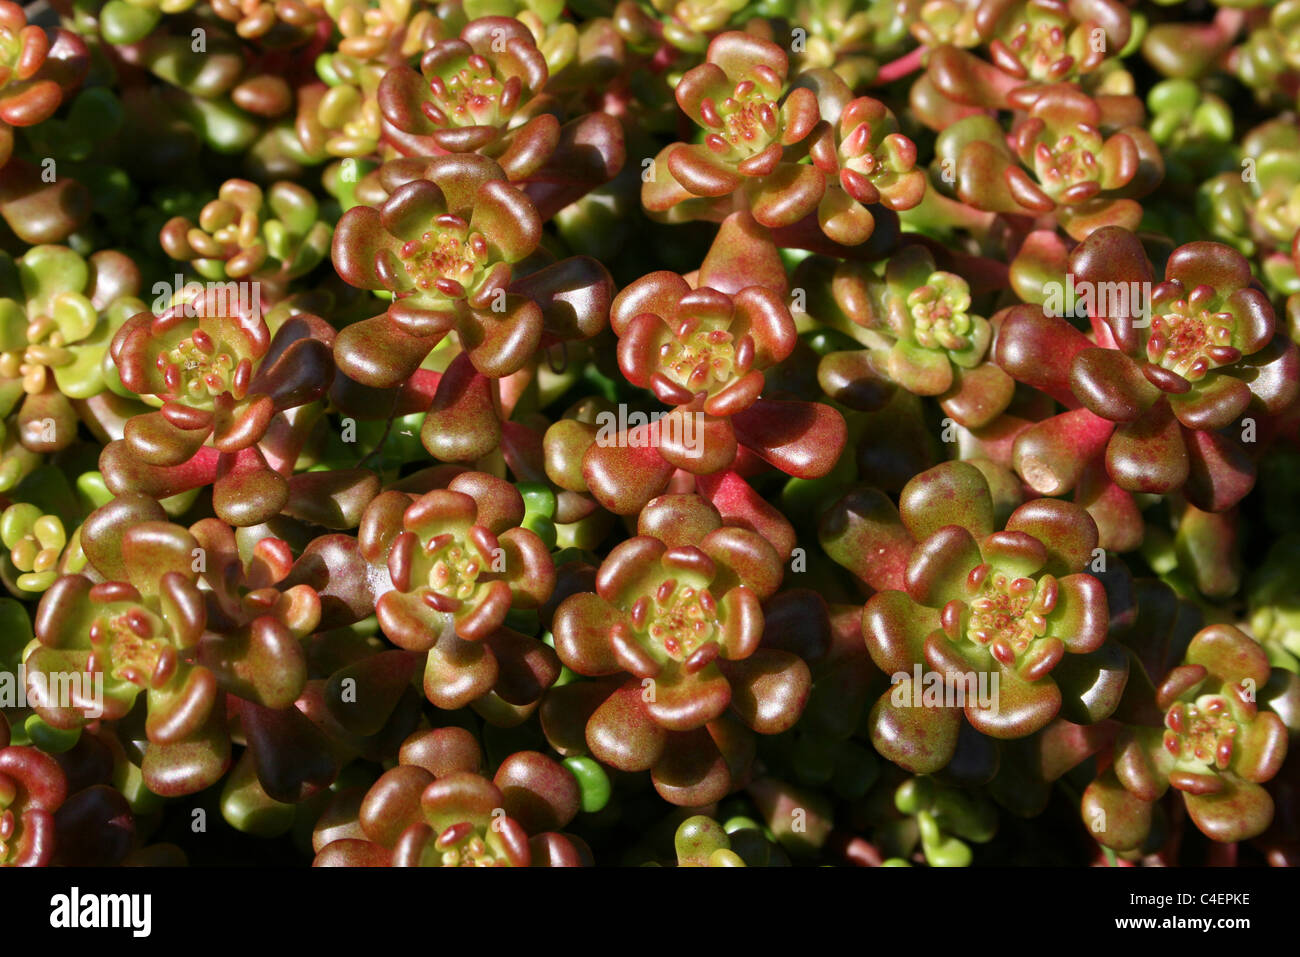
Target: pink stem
{"x": 856, "y": 850}
{"x": 1228, "y": 21}
{"x": 663, "y": 58}
{"x": 897, "y": 69}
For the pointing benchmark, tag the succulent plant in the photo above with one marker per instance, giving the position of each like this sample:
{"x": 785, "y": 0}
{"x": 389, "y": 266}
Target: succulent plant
{"x": 480, "y": 92}
{"x": 443, "y": 244}
{"x": 702, "y": 351}
{"x": 649, "y": 433}
{"x": 1191, "y": 125}
{"x": 41, "y": 530}
{"x": 1269, "y": 59}
{"x": 61, "y": 311}
{"x": 32, "y": 788}
{"x": 689, "y": 344}
{"x": 916, "y": 328}
{"x": 457, "y": 562}
{"x": 682, "y": 626}
{"x": 1067, "y": 158}
{"x": 1174, "y": 365}
{"x": 244, "y": 234}
{"x": 347, "y": 114}
{"x": 436, "y": 809}
{"x": 1217, "y": 747}
{"x": 1029, "y": 45}
{"x": 964, "y": 607}
{"x": 945, "y": 820}
{"x": 700, "y": 841}
{"x": 136, "y": 633}
{"x": 742, "y": 98}
{"x": 255, "y": 19}
{"x": 1272, "y": 604}
{"x": 1254, "y": 207}
{"x": 372, "y": 32}
{"x": 39, "y": 68}
{"x": 1049, "y": 42}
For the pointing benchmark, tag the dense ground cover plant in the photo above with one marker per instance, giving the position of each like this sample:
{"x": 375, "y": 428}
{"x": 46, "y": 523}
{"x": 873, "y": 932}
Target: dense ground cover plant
{"x": 649, "y": 433}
